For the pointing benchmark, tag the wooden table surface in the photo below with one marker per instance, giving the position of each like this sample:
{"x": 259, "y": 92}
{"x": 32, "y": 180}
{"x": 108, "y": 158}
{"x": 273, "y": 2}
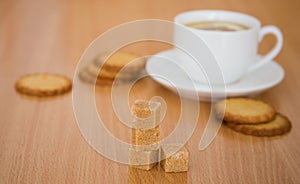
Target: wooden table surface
{"x": 40, "y": 141}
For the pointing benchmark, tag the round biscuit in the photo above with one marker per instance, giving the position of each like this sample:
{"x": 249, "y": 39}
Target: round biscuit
{"x": 107, "y": 74}
{"x": 88, "y": 78}
{"x": 278, "y": 126}
{"x": 117, "y": 61}
{"x": 43, "y": 84}
{"x": 93, "y": 70}
{"x": 244, "y": 110}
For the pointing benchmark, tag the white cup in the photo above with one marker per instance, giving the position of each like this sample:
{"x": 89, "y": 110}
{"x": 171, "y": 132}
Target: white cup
{"x": 234, "y": 51}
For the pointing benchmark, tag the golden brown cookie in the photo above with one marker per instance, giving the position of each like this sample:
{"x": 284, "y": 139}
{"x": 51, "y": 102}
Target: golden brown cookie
{"x": 118, "y": 60}
{"x": 278, "y": 126}
{"x": 94, "y": 71}
{"x": 42, "y": 84}
{"x": 88, "y": 78}
{"x": 104, "y": 81}
{"x": 244, "y": 110}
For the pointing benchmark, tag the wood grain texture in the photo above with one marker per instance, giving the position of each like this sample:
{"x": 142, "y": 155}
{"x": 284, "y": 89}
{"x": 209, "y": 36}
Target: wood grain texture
{"x": 40, "y": 141}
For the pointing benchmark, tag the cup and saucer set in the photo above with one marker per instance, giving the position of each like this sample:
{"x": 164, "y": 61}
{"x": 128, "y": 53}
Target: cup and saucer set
{"x": 215, "y": 55}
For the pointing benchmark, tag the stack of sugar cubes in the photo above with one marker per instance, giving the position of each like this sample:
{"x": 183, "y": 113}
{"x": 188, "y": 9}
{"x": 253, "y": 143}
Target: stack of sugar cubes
{"x": 146, "y": 151}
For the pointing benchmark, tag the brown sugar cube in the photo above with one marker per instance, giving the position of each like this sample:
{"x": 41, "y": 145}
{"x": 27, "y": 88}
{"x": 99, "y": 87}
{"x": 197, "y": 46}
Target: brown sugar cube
{"x": 141, "y": 109}
{"x": 145, "y": 114}
{"x": 175, "y": 158}
{"x": 145, "y": 137}
{"x": 143, "y": 159}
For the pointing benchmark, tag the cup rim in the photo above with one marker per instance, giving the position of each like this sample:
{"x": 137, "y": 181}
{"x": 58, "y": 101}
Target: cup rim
{"x": 257, "y": 23}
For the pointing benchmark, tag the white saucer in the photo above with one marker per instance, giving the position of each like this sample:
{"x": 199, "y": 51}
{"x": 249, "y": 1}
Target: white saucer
{"x": 162, "y": 68}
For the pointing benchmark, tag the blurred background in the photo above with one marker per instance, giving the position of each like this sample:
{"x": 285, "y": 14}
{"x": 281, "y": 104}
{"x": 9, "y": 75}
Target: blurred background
{"x": 42, "y": 32}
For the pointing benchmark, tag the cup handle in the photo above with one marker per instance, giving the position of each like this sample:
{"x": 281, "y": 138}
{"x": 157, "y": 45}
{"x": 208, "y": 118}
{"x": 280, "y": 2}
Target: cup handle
{"x": 276, "y": 49}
